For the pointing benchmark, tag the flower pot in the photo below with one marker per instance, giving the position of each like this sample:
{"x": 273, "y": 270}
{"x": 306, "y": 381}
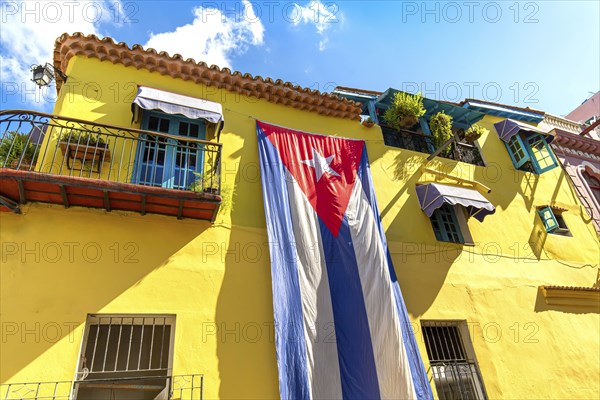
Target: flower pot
{"x": 367, "y": 124}
{"x": 408, "y": 121}
{"x": 471, "y": 138}
{"x": 97, "y": 154}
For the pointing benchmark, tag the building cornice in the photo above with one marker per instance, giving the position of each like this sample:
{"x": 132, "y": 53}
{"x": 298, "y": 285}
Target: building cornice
{"x": 275, "y": 91}
{"x": 578, "y": 143}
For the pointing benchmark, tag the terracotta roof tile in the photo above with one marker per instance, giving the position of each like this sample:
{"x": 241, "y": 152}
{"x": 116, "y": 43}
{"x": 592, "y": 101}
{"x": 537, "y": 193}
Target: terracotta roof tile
{"x": 277, "y": 91}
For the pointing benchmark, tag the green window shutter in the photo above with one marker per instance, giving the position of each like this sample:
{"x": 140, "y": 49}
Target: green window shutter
{"x": 541, "y": 154}
{"x": 548, "y": 219}
{"x": 517, "y": 151}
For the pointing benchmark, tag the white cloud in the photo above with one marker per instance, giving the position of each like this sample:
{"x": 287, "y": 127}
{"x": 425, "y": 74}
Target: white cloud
{"x": 323, "y": 17}
{"x": 212, "y": 37}
{"x": 29, "y": 29}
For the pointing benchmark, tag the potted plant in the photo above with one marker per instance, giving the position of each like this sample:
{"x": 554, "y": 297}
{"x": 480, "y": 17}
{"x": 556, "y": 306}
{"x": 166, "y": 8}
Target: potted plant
{"x": 17, "y": 150}
{"x": 405, "y": 111}
{"x": 205, "y": 182}
{"x": 441, "y": 129}
{"x": 368, "y": 122}
{"x": 474, "y": 132}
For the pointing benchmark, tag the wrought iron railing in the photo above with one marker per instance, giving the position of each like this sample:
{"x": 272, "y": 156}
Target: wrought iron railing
{"x": 464, "y": 152}
{"x": 50, "y": 144}
{"x": 406, "y": 139}
{"x": 169, "y": 387}
{"x": 457, "y": 380}
{"x": 410, "y": 140}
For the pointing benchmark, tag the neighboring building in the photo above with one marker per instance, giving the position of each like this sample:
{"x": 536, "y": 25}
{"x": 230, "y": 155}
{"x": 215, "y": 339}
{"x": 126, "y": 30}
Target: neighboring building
{"x": 135, "y": 256}
{"x": 578, "y": 149}
{"x": 587, "y": 112}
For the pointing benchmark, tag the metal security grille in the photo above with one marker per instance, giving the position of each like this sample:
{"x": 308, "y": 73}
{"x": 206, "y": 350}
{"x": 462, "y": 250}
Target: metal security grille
{"x": 127, "y": 344}
{"x": 456, "y": 376}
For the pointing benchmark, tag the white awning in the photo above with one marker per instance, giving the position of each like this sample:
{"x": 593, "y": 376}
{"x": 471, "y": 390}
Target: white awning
{"x": 173, "y": 103}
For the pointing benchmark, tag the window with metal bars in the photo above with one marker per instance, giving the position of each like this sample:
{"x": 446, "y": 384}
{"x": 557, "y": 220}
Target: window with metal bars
{"x": 121, "y": 353}
{"x": 453, "y": 370}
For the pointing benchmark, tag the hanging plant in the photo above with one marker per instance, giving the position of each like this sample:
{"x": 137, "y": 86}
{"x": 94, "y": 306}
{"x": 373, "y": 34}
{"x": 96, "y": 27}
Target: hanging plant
{"x": 405, "y": 111}
{"x": 474, "y": 132}
{"x": 441, "y": 128}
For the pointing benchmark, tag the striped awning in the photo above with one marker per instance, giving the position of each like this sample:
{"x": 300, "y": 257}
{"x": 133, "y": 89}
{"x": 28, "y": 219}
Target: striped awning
{"x": 173, "y": 103}
{"x": 434, "y": 195}
{"x": 508, "y": 128}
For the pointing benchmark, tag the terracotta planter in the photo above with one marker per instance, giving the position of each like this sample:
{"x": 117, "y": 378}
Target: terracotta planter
{"x": 367, "y": 124}
{"x": 97, "y": 154}
{"x": 471, "y": 138}
{"x": 408, "y": 122}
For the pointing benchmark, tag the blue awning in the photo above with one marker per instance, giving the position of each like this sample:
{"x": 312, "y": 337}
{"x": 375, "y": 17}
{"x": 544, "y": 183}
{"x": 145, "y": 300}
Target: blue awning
{"x": 434, "y": 195}
{"x": 508, "y": 128}
{"x": 173, "y": 103}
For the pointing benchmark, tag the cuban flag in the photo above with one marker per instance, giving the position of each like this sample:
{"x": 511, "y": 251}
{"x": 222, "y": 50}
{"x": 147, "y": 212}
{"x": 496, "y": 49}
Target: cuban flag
{"x": 341, "y": 326}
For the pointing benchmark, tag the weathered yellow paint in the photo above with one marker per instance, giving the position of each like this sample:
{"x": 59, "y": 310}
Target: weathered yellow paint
{"x": 216, "y": 277}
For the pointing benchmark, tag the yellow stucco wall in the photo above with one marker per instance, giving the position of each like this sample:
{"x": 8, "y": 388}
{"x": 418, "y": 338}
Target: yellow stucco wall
{"x": 216, "y": 277}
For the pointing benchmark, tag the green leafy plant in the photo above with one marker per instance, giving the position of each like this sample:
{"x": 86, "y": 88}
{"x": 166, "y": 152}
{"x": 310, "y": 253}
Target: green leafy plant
{"x": 205, "y": 182}
{"x": 83, "y": 139}
{"x": 441, "y": 128}
{"x": 405, "y": 111}
{"x": 17, "y": 148}
{"x": 474, "y": 132}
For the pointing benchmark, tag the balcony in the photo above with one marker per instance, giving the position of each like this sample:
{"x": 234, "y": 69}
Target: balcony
{"x": 466, "y": 153}
{"x": 176, "y": 387}
{"x": 411, "y": 140}
{"x": 53, "y": 159}
{"x": 406, "y": 139}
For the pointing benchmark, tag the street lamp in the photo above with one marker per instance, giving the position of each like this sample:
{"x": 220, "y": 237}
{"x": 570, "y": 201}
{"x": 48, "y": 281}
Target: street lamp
{"x": 43, "y": 74}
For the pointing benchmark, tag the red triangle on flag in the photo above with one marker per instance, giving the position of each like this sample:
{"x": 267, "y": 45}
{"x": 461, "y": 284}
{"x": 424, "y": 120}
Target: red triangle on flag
{"x": 325, "y": 168}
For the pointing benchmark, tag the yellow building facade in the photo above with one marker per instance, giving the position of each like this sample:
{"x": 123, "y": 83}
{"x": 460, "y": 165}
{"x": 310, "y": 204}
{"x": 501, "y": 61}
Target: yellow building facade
{"x": 526, "y": 301}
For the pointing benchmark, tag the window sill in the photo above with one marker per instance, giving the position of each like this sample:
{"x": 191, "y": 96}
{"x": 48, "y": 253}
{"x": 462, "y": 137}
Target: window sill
{"x": 572, "y": 296}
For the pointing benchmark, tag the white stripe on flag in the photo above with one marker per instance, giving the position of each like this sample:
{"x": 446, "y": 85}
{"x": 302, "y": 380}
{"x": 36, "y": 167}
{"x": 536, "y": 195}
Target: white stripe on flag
{"x": 393, "y": 369}
{"x": 324, "y": 367}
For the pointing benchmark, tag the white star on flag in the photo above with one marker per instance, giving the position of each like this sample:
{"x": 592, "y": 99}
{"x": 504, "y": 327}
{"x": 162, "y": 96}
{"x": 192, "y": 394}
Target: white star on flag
{"x": 320, "y": 164}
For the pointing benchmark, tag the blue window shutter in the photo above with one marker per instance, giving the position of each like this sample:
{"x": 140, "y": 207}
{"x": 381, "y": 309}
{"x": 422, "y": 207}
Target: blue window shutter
{"x": 548, "y": 219}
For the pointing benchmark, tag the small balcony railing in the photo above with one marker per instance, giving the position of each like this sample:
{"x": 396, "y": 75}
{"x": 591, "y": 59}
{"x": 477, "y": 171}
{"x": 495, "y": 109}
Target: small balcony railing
{"x": 410, "y": 140}
{"x": 55, "y": 145}
{"x": 406, "y": 139}
{"x": 464, "y": 152}
{"x": 173, "y": 387}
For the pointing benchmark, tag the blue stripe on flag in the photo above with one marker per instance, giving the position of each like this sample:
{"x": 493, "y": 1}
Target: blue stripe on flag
{"x": 418, "y": 373}
{"x": 355, "y": 350}
{"x": 290, "y": 341}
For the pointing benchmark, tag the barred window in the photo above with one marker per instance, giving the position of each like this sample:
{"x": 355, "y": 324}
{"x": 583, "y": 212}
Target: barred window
{"x": 454, "y": 372}
{"x": 125, "y": 356}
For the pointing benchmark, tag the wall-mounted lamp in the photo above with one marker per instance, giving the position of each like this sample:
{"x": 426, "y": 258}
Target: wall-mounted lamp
{"x": 43, "y": 74}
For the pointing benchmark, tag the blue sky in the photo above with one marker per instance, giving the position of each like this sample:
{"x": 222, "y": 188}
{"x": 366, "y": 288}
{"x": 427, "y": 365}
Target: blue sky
{"x": 542, "y": 54}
